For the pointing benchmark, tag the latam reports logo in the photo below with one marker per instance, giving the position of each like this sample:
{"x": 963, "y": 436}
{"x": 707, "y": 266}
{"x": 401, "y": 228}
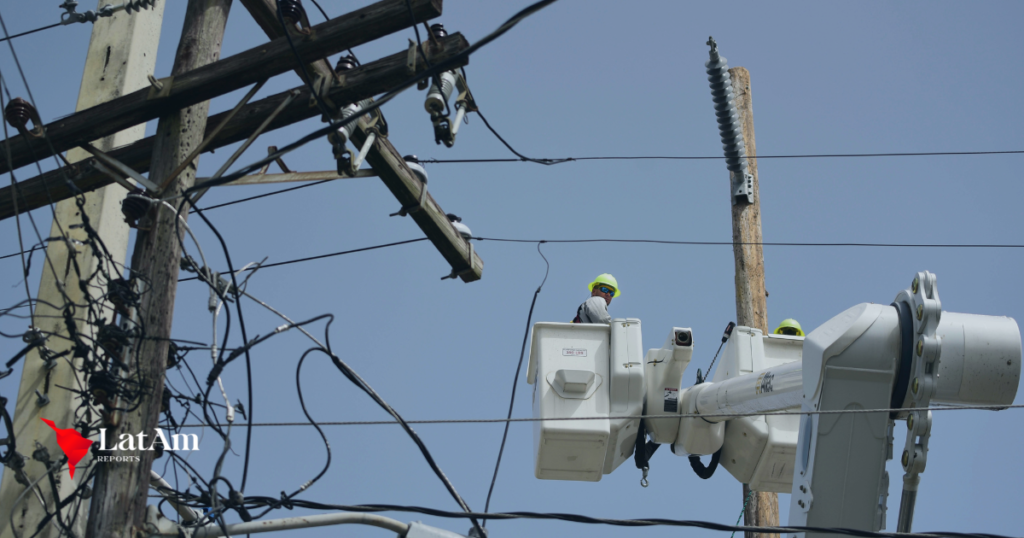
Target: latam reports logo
{"x": 75, "y": 446}
{"x": 72, "y": 443}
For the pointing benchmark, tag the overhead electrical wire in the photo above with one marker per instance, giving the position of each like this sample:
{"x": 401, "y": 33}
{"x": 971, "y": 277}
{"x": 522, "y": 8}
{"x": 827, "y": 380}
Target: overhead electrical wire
{"x": 515, "y": 380}
{"x": 7, "y": 38}
{"x": 615, "y": 417}
{"x": 321, "y": 256}
{"x": 712, "y": 158}
{"x": 641, "y": 522}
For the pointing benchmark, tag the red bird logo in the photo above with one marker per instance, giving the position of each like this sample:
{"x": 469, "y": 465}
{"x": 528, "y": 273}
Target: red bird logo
{"x": 72, "y": 443}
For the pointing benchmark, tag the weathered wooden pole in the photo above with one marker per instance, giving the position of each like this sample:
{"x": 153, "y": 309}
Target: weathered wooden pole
{"x": 119, "y": 500}
{"x": 762, "y": 509}
{"x": 122, "y": 53}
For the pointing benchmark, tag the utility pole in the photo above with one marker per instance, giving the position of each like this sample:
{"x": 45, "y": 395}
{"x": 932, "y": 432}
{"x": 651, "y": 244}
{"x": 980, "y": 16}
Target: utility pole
{"x": 122, "y": 53}
{"x": 119, "y": 500}
{"x": 751, "y": 297}
{"x": 730, "y": 89}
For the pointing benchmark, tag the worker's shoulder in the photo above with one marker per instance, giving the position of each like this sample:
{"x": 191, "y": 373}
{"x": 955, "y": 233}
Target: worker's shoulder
{"x": 596, "y": 302}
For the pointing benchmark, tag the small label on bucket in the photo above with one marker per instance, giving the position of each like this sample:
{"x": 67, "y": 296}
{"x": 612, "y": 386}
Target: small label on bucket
{"x": 671, "y": 400}
{"x": 573, "y": 352}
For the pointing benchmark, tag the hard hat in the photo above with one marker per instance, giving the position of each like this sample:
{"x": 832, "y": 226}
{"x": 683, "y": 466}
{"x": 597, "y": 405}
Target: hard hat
{"x": 790, "y": 324}
{"x": 608, "y": 279}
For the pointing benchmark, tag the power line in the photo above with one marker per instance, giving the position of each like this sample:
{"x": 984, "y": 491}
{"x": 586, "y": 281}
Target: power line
{"x": 616, "y": 417}
{"x": 642, "y": 241}
{"x": 643, "y": 522}
{"x": 764, "y": 243}
{"x": 711, "y": 158}
{"x": 267, "y": 265}
{"x": 29, "y": 32}
{"x": 515, "y": 380}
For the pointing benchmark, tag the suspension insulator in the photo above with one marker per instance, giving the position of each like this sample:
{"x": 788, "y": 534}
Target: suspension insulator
{"x": 18, "y": 114}
{"x": 292, "y": 11}
{"x": 725, "y": 110}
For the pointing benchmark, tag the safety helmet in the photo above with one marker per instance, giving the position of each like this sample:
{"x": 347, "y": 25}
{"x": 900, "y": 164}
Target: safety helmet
{"x": 790, "y": 324}
{"x": 607, "y": 279}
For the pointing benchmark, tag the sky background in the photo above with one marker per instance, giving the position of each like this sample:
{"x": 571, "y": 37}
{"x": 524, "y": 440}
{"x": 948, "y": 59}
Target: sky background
{"x": 602, "y": 78}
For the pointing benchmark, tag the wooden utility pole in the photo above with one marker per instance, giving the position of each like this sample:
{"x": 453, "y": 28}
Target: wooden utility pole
{"x": 122, "y": 53}
{"x": 119, "y": 500}
{"x": 762, "y": 509}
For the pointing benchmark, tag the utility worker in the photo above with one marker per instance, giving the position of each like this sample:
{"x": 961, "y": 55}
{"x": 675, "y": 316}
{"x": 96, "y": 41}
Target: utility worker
{"x": 790, "y": 327}
{"x": 595, "y": 309}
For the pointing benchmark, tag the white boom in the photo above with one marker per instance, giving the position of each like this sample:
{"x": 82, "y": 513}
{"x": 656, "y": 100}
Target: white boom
{"x": 904, "y": 356}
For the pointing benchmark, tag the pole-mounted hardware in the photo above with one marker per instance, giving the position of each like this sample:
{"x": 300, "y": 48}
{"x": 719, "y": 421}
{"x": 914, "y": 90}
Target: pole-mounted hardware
{"x": 371, "y": 123}
{"x": 70, "y": 16}
{"x": 925, "y": 308}
{"x": 18, "y": 113}
{"x": 440, "y": 92}
{"x": 729, "y": 126}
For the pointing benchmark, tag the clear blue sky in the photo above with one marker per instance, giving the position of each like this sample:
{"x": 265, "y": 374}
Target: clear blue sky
{"x": 595, "y": 78}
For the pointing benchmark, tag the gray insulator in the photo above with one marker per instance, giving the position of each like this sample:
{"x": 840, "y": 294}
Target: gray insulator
{"x": 725, "y": 110}
{"x": 436, "y": 98}
{"x": 345, "y": 131}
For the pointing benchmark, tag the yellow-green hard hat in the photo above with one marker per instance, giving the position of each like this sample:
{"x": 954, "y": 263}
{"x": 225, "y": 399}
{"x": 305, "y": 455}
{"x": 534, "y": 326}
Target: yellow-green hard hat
{"x": 790, "y": 324}
{"x": 608, "y": 280}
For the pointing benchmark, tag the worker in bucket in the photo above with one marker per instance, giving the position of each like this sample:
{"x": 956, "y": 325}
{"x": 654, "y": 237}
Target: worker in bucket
{"x": 595, "y": 309}
{"x": 790, "y": 327}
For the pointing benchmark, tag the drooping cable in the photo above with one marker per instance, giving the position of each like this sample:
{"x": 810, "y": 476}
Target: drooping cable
{"x": 515, "y": 381}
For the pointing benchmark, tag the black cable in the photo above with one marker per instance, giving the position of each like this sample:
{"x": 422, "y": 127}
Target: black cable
{"x": 29, "y": 32}
{"x": 725, "y": 338}
{"x": 302, "y": 402}
{"x": 302, "y": 65}
{"x": 522, "y": 157}
{"x": 352, "y": 376}
{"x": 326, "y": 17}
{"x": 704, "y": 158}
{"x": 515, "y": 381}
{"x": 652, "y": 241}
{"x": 264, "y": 266}
{"x": 642, "y": 522}
{"x": 218, "y": 206}
{"x": 766, "y": 244}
